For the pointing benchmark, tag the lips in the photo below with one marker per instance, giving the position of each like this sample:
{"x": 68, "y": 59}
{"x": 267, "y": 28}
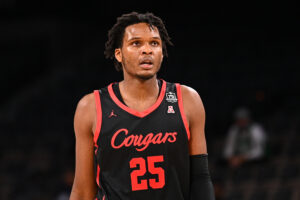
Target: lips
{"x": 146, "y": 62}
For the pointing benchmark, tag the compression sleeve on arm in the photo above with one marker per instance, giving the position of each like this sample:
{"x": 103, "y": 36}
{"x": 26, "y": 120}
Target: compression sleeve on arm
{"x": 201, "y": 187}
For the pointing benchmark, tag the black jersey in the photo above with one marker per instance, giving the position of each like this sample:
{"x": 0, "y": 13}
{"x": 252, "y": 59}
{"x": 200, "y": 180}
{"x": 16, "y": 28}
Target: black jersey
{"x": 142, "y": 155}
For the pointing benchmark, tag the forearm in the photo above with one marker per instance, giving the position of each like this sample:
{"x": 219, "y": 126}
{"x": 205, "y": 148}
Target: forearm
{"x": 201, "y": 185}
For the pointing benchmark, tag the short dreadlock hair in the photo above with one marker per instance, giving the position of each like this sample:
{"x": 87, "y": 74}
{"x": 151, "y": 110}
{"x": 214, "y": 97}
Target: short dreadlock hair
{"x": 116, "y": 33}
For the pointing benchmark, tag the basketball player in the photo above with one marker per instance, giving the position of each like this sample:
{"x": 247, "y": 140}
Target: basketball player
{"x": 141, "y": 138}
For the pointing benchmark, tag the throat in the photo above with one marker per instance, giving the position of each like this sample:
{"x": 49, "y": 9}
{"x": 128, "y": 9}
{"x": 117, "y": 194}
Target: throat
{"x": 138, "y": 97}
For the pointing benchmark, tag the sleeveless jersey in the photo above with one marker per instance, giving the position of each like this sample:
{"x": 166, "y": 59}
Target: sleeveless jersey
{"x": 142, "y": 155}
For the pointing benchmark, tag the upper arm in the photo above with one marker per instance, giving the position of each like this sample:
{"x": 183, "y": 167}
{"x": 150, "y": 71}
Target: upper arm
{"x": 195, "y": 114}
{"x": 84, "y": 186}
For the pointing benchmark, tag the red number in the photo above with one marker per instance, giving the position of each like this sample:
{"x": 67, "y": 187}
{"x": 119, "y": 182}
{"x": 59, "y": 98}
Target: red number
{"x": 156, "y": 170}
{"x": 143, "y": 185}
{"x": 138, "y": 172}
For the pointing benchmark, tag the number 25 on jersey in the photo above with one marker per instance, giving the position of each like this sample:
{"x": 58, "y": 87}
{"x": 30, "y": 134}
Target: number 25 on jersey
{"x": 141, "y": 171}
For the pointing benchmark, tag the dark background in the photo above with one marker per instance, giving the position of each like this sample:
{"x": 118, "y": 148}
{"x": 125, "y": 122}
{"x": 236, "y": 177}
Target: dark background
{"x": 51, "y": 54}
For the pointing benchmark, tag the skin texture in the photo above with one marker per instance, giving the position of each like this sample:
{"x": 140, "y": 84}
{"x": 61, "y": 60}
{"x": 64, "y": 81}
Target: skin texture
{"x": 139, "y": 90}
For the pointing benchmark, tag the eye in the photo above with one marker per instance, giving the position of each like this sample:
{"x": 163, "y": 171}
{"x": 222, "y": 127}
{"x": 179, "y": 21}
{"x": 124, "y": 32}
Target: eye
{"x": 136, "y": 43}
{"x": 154, "y": 43}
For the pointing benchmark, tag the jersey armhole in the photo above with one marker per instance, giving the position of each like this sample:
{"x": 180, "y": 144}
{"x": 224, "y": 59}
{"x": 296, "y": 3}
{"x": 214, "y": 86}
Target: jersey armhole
{"x": 99, "y": 116}
{"x": 180, "y": 104}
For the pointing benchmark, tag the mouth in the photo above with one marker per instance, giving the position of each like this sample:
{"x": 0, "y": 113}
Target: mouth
{"x": 146, "y": 63}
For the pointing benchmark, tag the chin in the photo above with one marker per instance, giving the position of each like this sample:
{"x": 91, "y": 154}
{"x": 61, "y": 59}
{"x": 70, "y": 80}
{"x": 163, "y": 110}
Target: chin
{"x": 146, "y": 76}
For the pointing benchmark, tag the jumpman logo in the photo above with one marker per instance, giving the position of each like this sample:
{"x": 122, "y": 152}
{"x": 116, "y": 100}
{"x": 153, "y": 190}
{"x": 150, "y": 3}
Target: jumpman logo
{"x": 112, "y": 114}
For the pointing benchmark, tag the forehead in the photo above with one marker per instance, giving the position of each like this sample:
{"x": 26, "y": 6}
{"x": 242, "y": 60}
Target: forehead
{"x": 140, "y": 30}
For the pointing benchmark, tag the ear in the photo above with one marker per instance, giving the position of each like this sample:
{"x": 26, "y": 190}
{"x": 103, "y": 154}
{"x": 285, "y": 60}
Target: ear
{"x": 118, "y": 54}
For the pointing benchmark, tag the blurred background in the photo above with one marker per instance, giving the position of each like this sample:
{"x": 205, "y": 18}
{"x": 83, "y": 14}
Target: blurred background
{"x": 236, "y": 56}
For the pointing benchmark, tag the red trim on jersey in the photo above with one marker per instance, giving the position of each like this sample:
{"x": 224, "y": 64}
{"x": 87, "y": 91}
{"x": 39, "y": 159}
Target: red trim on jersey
{"x": 134, "y": 112}
{"x": 99, "y": 116}
{"x": 98, "y": 176}
{"x": 180, "y": 104}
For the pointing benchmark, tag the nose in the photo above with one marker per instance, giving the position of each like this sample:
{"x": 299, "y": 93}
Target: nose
{"x": 147, "y": 49}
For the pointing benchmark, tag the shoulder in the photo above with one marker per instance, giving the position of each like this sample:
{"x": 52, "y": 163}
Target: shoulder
{"x": 86, "y": 102}
{"x": 189, "y": 93}
{"x": 191, "y": 96}
{"x": 192, "y": 102}
{"x": 86, "y": 111}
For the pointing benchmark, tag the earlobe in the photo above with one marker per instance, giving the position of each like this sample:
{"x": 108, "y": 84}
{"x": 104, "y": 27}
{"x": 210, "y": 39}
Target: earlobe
{"x": 118, "y": 54}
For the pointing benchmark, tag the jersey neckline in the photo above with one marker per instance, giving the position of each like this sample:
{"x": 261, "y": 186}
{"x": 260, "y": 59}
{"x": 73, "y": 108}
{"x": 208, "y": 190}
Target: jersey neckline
{"x": 135, "y": 112}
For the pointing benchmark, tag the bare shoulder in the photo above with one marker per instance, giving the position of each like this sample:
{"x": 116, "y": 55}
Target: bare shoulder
{"x": 86, "y": 102}
{"x": 85, "y": 114}
{"x": 192, "y": 101}
{"x": 189, "y": 92}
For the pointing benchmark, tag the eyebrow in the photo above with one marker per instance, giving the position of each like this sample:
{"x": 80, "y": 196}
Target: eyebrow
{"x": 136, "y": 38}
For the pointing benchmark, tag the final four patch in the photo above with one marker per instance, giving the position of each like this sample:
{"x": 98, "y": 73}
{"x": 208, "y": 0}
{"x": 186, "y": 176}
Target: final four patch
{"x": 171, "y": 97}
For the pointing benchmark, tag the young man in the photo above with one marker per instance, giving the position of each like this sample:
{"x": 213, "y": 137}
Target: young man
{"x": 141, "y": 138}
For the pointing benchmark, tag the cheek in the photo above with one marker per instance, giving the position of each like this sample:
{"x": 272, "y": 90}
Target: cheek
{"x": 130, "y": 55}
{"x": 160, "y": 56}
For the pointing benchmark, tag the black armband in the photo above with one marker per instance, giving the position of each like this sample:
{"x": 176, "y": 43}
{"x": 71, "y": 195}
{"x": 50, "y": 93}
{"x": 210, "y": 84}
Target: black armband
{"x": 201, "y": 187}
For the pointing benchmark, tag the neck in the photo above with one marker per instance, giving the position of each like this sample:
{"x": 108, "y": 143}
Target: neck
{"x": 139, "y": 89}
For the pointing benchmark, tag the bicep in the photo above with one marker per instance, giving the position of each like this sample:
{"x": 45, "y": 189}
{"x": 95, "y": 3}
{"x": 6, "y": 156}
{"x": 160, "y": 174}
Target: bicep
{"x": 84, "y": 185}
{"x": 195, "y": 113}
